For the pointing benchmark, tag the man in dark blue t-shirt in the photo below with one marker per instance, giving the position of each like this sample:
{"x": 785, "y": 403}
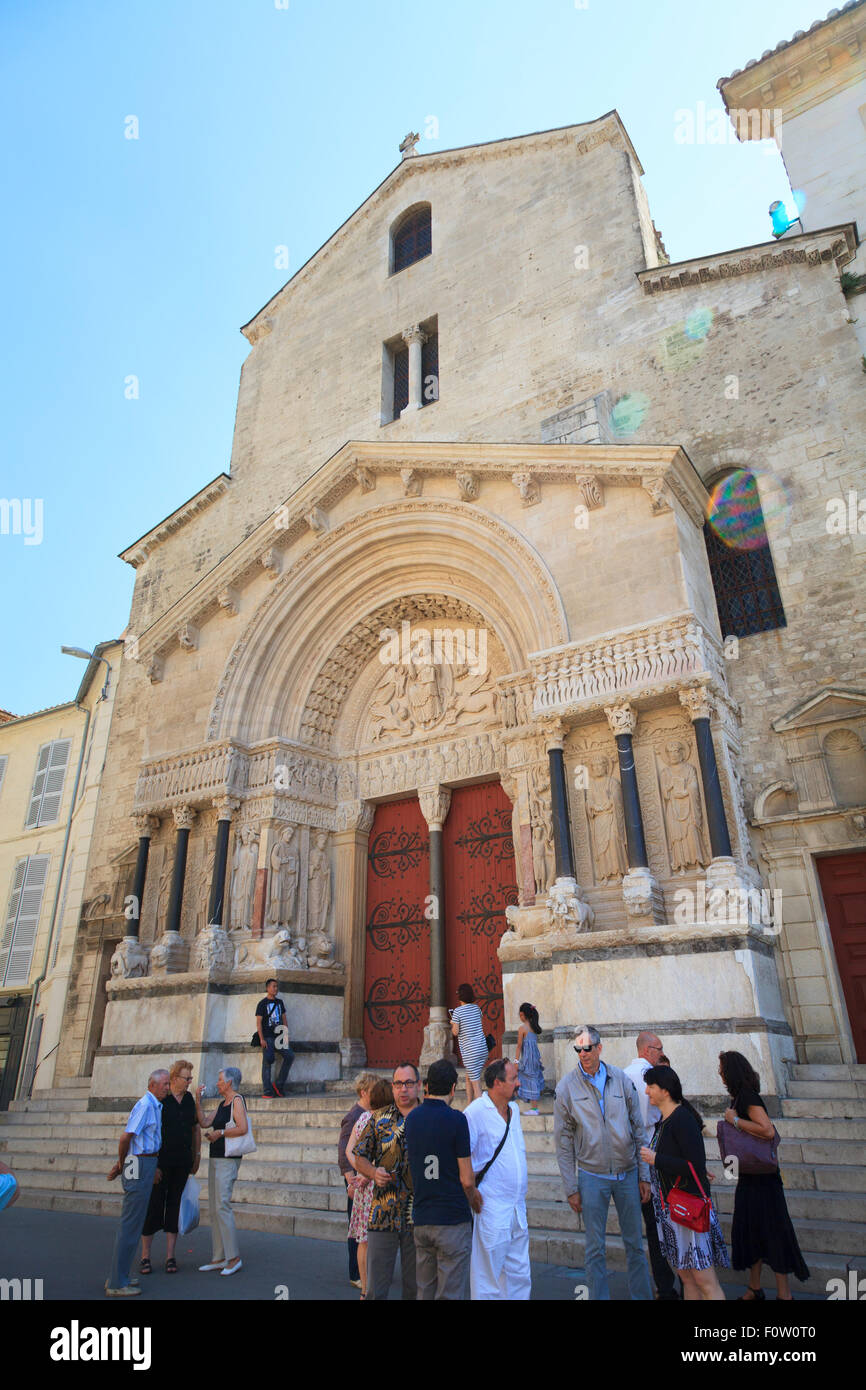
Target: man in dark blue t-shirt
{"x": 437, "y": 1146}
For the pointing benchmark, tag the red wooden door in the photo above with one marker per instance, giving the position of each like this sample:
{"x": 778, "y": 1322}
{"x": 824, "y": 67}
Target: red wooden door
{"x": 397, "y": 962}
{"x": 843, "y": 883}
{"x": 480, "y": 883}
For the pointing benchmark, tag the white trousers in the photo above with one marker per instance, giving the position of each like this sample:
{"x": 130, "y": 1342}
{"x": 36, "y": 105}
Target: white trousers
{"x": 499, "y": 1269}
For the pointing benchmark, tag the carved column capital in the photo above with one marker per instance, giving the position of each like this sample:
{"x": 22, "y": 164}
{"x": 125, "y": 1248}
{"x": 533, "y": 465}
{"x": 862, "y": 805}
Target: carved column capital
{"x": 355, "y": 815}
{"x": 272, "y": 561}
{"x": 434, "y": 802}
{"x": 553, "y": 733}
{"x": 145, "y": 825}
{"x": 622, "y": 717}
{"x": 468, "y": 485}
{"x": 695, "y": 700}
{"x": 188, "y": 637}
{"x": 229, "y": 600}
{"x": 225, "y": 806}
{"x": 184, "y": 817}
{"x": 414, "y": 334}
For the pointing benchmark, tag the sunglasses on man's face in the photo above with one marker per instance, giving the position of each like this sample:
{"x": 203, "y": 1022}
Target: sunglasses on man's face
{"x": 591, "y": 1047}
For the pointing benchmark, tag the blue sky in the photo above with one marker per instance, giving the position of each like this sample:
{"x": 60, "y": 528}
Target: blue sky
{"x": 261, "y": 126}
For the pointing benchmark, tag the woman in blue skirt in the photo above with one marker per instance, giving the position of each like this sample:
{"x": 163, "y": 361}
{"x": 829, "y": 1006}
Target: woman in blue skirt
{"x": 529, "y": 1069}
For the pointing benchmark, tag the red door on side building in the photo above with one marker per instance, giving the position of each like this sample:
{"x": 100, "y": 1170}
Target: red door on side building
{"x": 397, "y": 958}
{"x": 480, "y": 882}
{"x": 843, "y": 883}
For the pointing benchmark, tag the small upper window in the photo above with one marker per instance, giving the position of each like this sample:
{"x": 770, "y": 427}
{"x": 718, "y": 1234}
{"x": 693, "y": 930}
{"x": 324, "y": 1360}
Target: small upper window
{"x": 411, "y": 237}
{"x": 741, "y": 565}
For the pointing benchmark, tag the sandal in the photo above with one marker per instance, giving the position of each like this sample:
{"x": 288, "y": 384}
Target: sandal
{"x": 145, "y": 1267}
{"x": 171, "y": 1265}
{"x": 758, "y": 1296}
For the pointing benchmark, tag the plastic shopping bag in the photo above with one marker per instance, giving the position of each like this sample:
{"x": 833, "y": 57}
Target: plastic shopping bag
{"x": 189, "y": 1214}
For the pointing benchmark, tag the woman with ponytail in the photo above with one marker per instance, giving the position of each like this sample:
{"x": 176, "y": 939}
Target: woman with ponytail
{"x": 676, "y": 1148}
{"x": 530, "y": 1072}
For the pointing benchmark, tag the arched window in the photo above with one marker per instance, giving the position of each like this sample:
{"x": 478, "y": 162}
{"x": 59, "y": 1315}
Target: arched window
{"x": 741, "y": 566}
{"x": 411, "y": 237}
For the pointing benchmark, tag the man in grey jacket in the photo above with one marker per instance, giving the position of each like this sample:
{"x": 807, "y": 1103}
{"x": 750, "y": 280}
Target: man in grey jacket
{"x": 599, "y": 1133}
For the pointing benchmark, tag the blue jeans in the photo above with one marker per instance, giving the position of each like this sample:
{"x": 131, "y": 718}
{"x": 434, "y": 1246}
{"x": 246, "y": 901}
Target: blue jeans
{"x": 269, "y": 1055}
{"x": 136, "y": 1198}
{"x": 595, "y": 1195}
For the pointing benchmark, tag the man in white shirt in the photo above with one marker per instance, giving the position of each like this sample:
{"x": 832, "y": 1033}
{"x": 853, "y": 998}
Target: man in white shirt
{"x": 137, "y": 1154}
{"x": 649, "y": 1050}
{"x": 499, "y": 1268}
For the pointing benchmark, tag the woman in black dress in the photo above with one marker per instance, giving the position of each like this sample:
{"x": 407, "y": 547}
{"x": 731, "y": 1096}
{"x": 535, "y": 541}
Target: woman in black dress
{"x": 762, "y": 1228}
{"x": 179, "y": 1156}
{"x": 676, "y": 1148}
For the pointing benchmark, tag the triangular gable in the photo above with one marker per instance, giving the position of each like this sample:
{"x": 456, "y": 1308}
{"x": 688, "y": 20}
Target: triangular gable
{"x": 824, "y": 707}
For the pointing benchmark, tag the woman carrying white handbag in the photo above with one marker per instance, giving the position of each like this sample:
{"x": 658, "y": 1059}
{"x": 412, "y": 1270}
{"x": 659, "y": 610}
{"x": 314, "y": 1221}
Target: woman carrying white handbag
{"x": 230, "y": 1136}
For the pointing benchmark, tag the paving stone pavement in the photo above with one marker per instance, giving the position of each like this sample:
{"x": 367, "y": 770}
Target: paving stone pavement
{"x": 71, "y": 1254}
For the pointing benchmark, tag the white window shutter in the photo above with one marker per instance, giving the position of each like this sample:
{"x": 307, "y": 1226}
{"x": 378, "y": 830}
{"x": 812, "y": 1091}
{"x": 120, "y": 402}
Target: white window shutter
{"x": 52, "y": 792}
{"x": 12, "y": 914}
{"x": 22, "y": 937}
{"x": 3, "y": 761}
{"x": 38, "y": 785}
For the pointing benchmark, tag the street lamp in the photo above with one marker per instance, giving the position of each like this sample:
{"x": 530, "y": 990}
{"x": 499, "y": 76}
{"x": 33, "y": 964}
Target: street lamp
{"x": 90, "y": 656}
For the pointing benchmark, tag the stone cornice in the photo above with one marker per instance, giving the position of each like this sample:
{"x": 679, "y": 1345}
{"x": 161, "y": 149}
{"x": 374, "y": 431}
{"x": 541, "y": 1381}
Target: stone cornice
{"x": 836, "y": 244}
{"x": 803, "y": 71}
{"x": 585, "y": 137}
{"x": 138, "y": 552}
{"x": 664, "y": 471}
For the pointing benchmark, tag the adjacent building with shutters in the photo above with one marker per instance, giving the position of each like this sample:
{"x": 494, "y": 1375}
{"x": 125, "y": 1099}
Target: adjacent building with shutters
{"x": 50, "y": 767}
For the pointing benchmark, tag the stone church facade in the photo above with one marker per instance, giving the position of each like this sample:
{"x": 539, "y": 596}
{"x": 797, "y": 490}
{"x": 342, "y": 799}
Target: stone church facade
{"x": 432, "y": 686}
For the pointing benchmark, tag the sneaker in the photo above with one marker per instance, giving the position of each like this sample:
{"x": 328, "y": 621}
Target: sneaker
{"x": 269, "y": 1095}
{"x": 356, "y": 1283}
{"x": 127, "y": 1291}
{"x": 278, "y": 1092}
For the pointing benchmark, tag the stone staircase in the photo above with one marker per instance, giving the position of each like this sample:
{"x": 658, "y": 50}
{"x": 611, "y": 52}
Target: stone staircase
{"x": 61, "y": 1152}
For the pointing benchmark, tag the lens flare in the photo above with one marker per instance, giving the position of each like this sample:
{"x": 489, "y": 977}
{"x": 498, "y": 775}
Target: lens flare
{"x": 735, "y": 513}
{"x": 628, "y": 413}
{"x": 699, "y": 323}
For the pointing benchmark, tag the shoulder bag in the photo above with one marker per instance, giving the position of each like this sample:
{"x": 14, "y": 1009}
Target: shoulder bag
{"x": 241, "y": 1144}
{"x": 753, "y": 1155}
{"x": 497, "y": 1151}
{"x": 686, "y": 1210}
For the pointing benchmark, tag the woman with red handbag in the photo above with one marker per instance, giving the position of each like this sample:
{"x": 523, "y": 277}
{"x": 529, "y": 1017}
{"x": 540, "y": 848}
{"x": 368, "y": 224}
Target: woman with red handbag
{"x": 762, "y": 1228}
{"x": 689, "y": 1232}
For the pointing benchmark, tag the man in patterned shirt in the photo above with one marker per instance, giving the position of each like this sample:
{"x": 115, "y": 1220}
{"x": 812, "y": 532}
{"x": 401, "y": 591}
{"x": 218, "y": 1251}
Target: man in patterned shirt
{"x": 380, "y": 1154}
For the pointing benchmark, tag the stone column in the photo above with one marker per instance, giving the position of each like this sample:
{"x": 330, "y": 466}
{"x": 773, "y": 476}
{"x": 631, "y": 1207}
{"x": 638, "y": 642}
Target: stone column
{"x": 563, "y": 848}
{"x": 225, "y": 809}
{"x": 568, "y": 908}
{"x": 435, "y": 802}
{"x": 414, "y": 339}
{"x": 146, "y": 826}
{"x": 722, "y": 872}
{"x": 641, "y": 893}
{"x": 171, "y": 954}
{"x": 354, "y": 822}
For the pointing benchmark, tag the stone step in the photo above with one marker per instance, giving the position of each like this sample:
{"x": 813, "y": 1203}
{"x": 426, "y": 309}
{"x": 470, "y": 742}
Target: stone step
{"x": 43, "y": 1101}
{"x": 824, "y": 1109}
{"x": 817, "y": 1232}
{"x": 828, "y": 1071}
{"x": 827, "y": 1090}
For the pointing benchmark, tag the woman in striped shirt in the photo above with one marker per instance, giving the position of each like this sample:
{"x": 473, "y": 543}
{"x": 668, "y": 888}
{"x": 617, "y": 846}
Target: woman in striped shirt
{"x": 467, "y": 1025}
